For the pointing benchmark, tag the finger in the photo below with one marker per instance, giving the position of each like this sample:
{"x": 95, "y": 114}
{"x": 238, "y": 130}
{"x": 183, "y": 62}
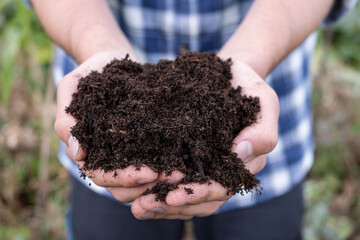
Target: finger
{"x": 175, "y": 177}
{"x": 256, "y": 164}
{"x": 139, "y": 212}
{"x": 67, "y": 86}
{"x": 162, "y": 210}
{"x": 198, "y": 210}
{"x": 80, "y": 153}
{"x": 261, "y": 137}
{"x": 127, "y": 177}
{"x": 127, "y": 195}
{"x": 65, "y": 121}
{"x": 142, "y": 214}
{"x": 201, "y": 193}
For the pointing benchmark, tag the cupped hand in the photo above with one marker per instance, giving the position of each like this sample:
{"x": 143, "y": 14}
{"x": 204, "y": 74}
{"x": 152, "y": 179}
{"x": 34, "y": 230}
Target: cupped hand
{"x": 129, "y": 183}
{"x": 204, "y": 201}
{"x": 251, "y": 146}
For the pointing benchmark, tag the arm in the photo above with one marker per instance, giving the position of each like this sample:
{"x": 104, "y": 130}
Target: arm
{"x": 82, "y": 27}
{"x": 270, "y": 31}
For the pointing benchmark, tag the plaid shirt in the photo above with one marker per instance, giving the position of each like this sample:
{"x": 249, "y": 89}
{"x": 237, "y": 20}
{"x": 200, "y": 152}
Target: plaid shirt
{"x": 159, "y": 29}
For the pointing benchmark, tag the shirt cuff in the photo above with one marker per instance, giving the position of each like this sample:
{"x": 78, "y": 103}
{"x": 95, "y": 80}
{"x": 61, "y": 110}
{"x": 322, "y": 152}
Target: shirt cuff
{"x": 338, "y": 10}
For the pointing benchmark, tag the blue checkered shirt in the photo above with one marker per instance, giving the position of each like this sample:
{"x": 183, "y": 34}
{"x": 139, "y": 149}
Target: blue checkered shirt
{"x": 158, "y": 29}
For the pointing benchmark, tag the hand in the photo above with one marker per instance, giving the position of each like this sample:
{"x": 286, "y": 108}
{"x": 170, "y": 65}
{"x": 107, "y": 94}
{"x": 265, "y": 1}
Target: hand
{"x": 129, "y": 182}
{"x": 205, "y": 200}
{"x": 251, "y": 145}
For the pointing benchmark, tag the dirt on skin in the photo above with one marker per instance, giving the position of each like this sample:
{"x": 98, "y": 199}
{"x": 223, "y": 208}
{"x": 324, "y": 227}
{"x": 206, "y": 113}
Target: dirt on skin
{"x": 176, "y": 115}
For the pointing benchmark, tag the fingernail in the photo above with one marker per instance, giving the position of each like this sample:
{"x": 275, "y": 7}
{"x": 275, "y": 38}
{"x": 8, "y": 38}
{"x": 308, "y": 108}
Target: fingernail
{"x": 143, "y": 181}
{"x": 73, "y": 146}
{"x": 244, "y": 150}
{"x": 148, "y": 215}
{"x": 158, "y": 210}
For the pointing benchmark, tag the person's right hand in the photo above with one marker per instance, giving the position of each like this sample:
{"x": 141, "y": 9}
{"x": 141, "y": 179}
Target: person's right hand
{"x": 129, "y": 182}
{"x": 251, "y": 146}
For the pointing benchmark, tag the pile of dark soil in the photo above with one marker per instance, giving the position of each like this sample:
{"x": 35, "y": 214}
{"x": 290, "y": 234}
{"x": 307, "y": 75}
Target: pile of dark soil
{"x": 180, "y": 114}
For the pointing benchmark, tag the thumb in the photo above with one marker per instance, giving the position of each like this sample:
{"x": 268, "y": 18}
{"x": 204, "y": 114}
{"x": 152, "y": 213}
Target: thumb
{"x": 64, "y": 121}
{"x": 66, "y": 88}
{"x": 261, "y": 137}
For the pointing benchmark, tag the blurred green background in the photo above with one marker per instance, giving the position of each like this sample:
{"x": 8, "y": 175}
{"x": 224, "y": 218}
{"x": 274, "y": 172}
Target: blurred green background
{"x": 33, "y": 185}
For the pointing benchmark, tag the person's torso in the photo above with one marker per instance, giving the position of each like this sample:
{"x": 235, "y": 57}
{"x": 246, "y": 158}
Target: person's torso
{"x": 159, "y": 29}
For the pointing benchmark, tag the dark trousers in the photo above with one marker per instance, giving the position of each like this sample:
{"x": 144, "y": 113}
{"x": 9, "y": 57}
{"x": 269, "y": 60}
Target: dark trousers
{"x": 96, "y": 217}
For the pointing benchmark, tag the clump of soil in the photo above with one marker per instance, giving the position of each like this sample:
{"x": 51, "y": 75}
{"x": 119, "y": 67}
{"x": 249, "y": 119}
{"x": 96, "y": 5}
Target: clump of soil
{"x": 175, "y": 115}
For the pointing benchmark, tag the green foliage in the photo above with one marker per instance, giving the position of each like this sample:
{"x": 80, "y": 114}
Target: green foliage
{"x": 15, "y": 233}
{"x": 328, "y": 162}
{"x": 25, "y": 60}
{"x": 320, "y": 222}
{"x": 22, "y": 40}
{"x": 332, "y": 189}
{"x": 346, "y": 39}
{"x": 356, "y": 126}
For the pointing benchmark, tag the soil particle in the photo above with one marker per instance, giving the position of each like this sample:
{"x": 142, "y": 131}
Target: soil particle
{"x": 176, "y": 115}
{"x": 161, "y": 190}
{"x": 189, "y": 190}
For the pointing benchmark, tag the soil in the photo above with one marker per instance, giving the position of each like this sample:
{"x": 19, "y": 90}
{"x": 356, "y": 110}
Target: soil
{"x": 175, "y": 115}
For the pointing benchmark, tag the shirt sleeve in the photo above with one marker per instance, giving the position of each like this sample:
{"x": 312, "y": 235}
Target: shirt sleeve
{"x": 338, "y": 10}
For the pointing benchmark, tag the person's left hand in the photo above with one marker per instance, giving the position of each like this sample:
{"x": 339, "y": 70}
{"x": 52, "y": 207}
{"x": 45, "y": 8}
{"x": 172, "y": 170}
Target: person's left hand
{"x": 205, "y": 200}
{"x": 251, "y": 145}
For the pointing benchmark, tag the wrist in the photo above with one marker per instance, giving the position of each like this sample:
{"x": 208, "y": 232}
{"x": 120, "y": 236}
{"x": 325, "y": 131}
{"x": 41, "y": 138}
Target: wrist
{"x": 258, "y": 61}
{"x": 90, "y": 44}
{"x": 92, "y": 30}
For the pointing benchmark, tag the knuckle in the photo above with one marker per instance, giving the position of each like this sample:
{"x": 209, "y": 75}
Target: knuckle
{"x": 269, "y": 141}
{"x": 262, "y": 164}
{"x": 272, "y": 142}
{"x": 259, "y": 164}
{"x": 271, "y": 97}
{"x": 136, "y": 211}
{"x": 272, "y": 94}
